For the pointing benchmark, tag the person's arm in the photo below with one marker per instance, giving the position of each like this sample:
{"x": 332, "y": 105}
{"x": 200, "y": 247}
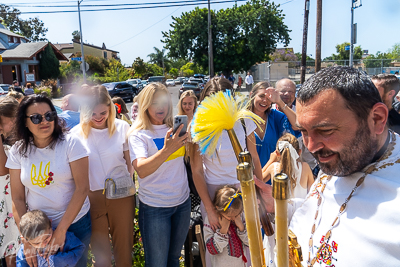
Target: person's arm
{"x": 214, "y": 240}
{"x": 3, "y": 159}
{"x": 146, "y": 166}
{"x": 196, "y": 163}
{"x": 73, "y": 251}
{"x": 251, "y": 146}
{"x": 80, "y": 173}
{"x": 272, "y": 158}
{"x": 19, "y": 209}
{"x": 274, "y": 97}
{"x": 128, "y": 162}
{"x": 268, "y": 173}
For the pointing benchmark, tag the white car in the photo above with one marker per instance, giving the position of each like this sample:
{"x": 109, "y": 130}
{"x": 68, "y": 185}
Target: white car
{"x": 170, "y": 82}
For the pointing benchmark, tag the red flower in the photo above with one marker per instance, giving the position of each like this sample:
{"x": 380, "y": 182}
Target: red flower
{"x": 6, "y": 193}
{"x": 6, "y": 220}
{"x": 6, "y": 226}
{"x": 47, "y": 182}
{"x": 119, "y": 108}
{"x": 6, "y": 186}
{"x": 51, "y": 174}
{"x": 50, "y": 179}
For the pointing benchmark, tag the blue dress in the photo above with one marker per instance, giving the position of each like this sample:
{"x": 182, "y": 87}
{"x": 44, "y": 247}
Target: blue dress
{"x": 277, "y": 125}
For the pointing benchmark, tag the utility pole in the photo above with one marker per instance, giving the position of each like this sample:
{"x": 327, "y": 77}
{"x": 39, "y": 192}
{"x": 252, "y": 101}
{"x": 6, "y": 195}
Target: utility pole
{"x": 304, "y": 50}
{"x": 82, "y": 54}
{"x": 163, "y": 72}
{"x": 210, "y": 46}
{"x": 352, "y": 35}
{"x": 318, "y": 39}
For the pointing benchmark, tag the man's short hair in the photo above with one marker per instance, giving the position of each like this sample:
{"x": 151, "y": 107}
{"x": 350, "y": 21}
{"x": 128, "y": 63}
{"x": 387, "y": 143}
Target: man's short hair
{"x": 14, "y": 82}
{"x": 285, "y": 79}
{"x": 33, "y": 224}
{"x": 388, "y": 82}
{"x": 357, "y": 89}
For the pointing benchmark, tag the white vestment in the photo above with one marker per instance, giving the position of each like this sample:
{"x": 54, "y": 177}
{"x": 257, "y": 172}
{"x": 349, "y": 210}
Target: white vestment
{"x": 368, "y": 233}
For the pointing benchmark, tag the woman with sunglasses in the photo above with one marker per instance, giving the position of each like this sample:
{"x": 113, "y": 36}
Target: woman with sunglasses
{"x": 49, "y": 172}
{"x": 105, "y": 138}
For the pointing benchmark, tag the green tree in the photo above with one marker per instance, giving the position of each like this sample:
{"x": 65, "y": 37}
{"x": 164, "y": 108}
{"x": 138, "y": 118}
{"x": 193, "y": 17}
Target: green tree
{"x": 174, "y": 72}
{"x": 157, "y": 58}
{"x": 242, "y": 35}
{"x": 394, "y": 52}
{"x": 139, "y": 67}
{"x": 76, "y": 36}
{"x": 308, "y": 58}
{"x": 32, "y": 28}
{"x": 153, "y": 70}
{"x": 377, "y": 61}
{"x": 48, "y": 64}
{"x": 190, "y": 68}
{"x": 116, "y": 72}
{"x": 343, "y": 55}
{"x": 70, "y": 72}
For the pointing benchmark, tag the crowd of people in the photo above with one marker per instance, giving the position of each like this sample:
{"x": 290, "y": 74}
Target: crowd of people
{"x": 61, "y": 171}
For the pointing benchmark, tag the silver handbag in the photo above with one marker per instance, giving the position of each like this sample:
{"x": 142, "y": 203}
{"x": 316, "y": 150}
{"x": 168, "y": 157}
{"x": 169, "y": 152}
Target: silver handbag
{"x": 119, "y": 184}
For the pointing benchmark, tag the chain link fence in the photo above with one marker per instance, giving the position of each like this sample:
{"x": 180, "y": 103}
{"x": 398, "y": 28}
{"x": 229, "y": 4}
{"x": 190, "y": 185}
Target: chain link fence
{"x": 274, "y": 71}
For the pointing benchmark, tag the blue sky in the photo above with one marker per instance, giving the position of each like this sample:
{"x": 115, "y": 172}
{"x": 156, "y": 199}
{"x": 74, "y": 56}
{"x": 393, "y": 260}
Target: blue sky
{"x": 378, "y": 25}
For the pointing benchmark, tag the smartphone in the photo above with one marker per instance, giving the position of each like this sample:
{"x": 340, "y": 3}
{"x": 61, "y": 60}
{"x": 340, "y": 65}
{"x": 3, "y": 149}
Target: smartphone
{"x": 178, "y": 120}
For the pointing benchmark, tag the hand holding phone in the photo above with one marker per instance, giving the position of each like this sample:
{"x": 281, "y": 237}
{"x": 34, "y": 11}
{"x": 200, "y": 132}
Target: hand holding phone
{"x": 178, "y": 120}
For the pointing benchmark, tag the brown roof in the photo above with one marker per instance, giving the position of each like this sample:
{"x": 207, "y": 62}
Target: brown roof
{"x": 29, "y": 50}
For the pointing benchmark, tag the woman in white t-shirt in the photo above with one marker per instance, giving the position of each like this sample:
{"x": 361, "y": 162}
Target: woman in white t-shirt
{"x": 210, "y": 173}
{"x": 157, "y": 156}
{"x": 105, "y": 138}
{"x": 49, "y": 172}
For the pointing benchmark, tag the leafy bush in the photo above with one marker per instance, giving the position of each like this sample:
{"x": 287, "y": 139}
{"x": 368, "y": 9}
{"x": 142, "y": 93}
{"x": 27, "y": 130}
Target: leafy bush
{"x": 43, "y": 90}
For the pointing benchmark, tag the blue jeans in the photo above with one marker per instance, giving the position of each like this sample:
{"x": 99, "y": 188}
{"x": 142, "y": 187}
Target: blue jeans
{"x": 82, "y": 229}
{"x": 163, "y": 231}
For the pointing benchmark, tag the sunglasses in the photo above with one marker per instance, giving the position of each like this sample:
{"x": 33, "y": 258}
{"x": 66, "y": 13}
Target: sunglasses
{"x": 38, "y": 118}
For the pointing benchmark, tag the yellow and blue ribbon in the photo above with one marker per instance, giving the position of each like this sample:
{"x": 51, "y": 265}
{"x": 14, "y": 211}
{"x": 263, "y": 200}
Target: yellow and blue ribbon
{"x": 231, "y": 199}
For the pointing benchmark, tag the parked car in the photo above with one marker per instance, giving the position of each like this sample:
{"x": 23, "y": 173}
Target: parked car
{"x": 3, "y": 93}
{"x": 177, "y": 81}
{"x": 144, "y": 83}
{"x": 200, "y": 76}
{"x": 136, "y": 83}
{"x": 4, "y": 87}
{"x": 157, "y": 79}
{"x": 195, "y": 86}
{"x": 121, "y": 89}
{"x": 170, "y": 82}
{"x": 198, "y": 80}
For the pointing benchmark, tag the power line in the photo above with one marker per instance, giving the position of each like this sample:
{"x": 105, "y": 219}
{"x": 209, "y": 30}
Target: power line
{"x": 110, "y": 5}
{"x": 125, "y": 8}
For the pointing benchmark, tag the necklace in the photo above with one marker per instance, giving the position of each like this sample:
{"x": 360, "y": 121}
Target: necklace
{"x": 342, "y": 209}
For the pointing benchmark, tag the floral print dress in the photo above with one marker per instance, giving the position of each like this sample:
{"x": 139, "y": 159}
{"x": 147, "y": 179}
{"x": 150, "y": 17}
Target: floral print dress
{"x": 9, "y": 233}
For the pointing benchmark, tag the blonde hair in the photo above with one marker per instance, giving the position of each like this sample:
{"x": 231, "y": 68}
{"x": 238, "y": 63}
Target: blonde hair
{"x": 98, "y": 95}
{"x": 188, "y": 145}
{"x": 146, "y": 96}
{"x": 188, "y": 93}
{"x": 286, "y": 166}
{"x": 223, "y": 196}
{"x": 16, "y": 95}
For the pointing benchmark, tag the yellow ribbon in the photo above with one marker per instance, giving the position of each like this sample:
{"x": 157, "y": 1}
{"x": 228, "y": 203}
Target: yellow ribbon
{"x": 231, "y": 200}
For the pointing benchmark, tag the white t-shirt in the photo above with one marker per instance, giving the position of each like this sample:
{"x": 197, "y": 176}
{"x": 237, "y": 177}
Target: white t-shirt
{"x": 105, "y": 152}
{"x": 220, "y": 168}
{"x": 168, "y": 185}
{"x": 47, "y": 177}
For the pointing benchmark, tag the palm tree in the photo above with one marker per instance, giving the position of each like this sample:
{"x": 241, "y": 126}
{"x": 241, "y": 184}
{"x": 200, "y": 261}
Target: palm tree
{"x": 159, "y": 58}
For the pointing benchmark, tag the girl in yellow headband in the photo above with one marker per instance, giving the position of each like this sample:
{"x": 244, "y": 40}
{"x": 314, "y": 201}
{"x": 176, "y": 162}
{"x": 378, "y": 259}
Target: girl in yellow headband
{"x": 226, "y": 244}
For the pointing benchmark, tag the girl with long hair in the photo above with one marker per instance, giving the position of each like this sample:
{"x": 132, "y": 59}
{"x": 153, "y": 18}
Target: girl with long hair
{"x": 105, "y": 138}
{"x": 157, "y": 156}
{"x": 288, "y": 153}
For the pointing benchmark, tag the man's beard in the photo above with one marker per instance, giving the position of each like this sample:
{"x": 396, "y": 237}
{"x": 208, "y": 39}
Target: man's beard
{"x": 355, "y": 155}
